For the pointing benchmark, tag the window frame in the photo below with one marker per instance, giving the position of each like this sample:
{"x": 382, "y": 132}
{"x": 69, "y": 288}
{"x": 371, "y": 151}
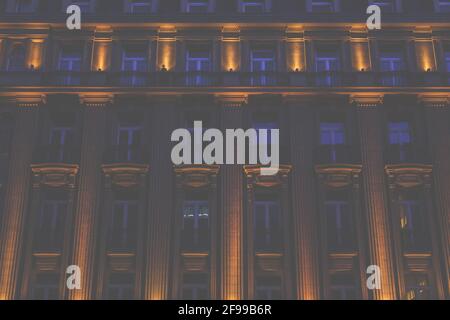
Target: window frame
{"x": 439, "y": 4}
{"x": 129, "y": 5}
{"x": 397, "y": 5}
{"x": 266, "y": 6}
{"x": 186, "y": 5}
{"x": 91, "y": 4}
{"x": 336, "y": 6}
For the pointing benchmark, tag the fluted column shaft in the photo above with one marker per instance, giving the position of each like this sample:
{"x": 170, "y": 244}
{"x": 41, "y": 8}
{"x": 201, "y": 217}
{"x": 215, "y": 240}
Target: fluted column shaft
{"x": 161, "y": 202}
{"x": 303, "y": 202}
{"x": 231, "y": 222}
{"x": 16, "y": 198}
{"x": 438, "y": 117}
{"x": 374, "y": 182}
{"x": 89, "y": 195}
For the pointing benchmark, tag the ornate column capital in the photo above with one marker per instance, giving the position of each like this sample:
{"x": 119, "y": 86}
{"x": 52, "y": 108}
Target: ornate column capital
{"x": 233, "y": 101}
{"x": 28, "y": 101}
{"x": 436, "y": 101}
{"x": 96, "y": 100}
{"x": 367, "y": 100}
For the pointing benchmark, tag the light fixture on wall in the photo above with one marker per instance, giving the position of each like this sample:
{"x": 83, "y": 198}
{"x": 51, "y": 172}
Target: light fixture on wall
{"x": 163, "y": 68}
{"x": 231, "y": 70}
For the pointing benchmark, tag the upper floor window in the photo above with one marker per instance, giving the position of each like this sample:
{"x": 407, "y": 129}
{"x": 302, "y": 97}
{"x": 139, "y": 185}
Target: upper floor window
{"x": 400, "y": 133}
{"x": 339, "y": 224}
{"x": 392, "y": 63}
{"x": 123, "y": 224}
{"x": 195, "y": 232}
{"x": 267, "y": 227}
{"x": 86, "y": 6}
{"x": 447, "y": 60}
{"x": 140, "y": 6}
{"x": 49, "y": 231}
{"x": 16, "y": 59}
{"x": 413, "y": 222}
{"x": 387, "y": 6}
{"x": 134, "y": 64}
{"x": 45, "y": 287}
{"x": 197, "y": 6}
{"x": 342, "y": 286}
{"x": 323, "y": 5}
{"x": 262, "y": 64}
{"x": 195, "y": 286}
{"x": 198, "y": 62}
{"x": 268, "y": 288}
{"x": 120, "y": 286}
{"x": 128, "y": 140}
{"x": 70, "y": 62}
{"x": 21, "y": 6}
{"x": 442, "y": 5}
{"x": 254, "y": 6}
{"x": 327, "y": 65}
{"x": 265, "y": 122}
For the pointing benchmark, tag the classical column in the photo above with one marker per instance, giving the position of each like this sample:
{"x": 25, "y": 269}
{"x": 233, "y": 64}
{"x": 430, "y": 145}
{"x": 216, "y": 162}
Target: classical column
{"x": 304, "y": 209}
{"x": 378, "y": 223}
{"x": 231, "y": 220}
{"x": 161, "y": 201}
{"x": 17, "y": 194}
{"x": 89, "y": 192}
{"x": 438, "y": 117}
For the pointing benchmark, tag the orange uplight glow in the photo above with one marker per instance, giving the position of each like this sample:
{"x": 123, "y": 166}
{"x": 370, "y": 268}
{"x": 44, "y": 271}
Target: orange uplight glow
{"x": 231, "y": 55}
{"x": 360, "y": 56}
{"x": 101, "y": 56}
{"x": 36, "y": 53}
{"x": 296, "y": 55}
{"x": 425, "y": 55}
{"x": 166, "y": 54}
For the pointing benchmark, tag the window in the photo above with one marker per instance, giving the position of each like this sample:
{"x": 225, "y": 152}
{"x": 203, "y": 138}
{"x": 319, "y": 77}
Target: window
{"x": 262, "y": 67}
{"x": 342, "y": 286}
{"x": 134, "y": 65}
{"x": 45, "y": 287}
{"x": 327, "y": 66}
{"x": 254, "y": 6}
{"x": 25, "y": 6}
{"x": 339, "y": 223}
{"x": 124, "y": 225}
{"x": 387, "y": 6}
{"x": 413, "y": 223}
{"x": 49, "y": 231}
{"x": 195, "y": 229}
{"x": 391, "y": 65}
{"x": 60, "y": 140}
{"x": 198, "y": 63}
{"x": 268, "y": 288}
{"x": 323, "y": 5}
{"x": 197, "y": 6}
{"x": 400, "y": 140}
{"x": 120, "y": 286}
{"x": 442, "y": 5}
{"x": 16, "y": 59}
{"x": 265, "y": 125}
{"x": 140, "y": 6}
{"x": 418, "y": 287}
{"x": 195, "y": 286}
{"x": 128, "y": 142}
{"x": 332, "y": 137}
{"x": 70, "y": 64}
{"x": 267, "y": 225}
{"x": 86, "y": 6}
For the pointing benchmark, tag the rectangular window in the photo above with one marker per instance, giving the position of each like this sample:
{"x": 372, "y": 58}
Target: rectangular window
{"x": 124, "y": 225}
{"x": 392, "y": 65}
{"x": 413, "y": 222}
{"x": 339, "y": 224}
{"x": 49, "y": 232}
{"x": 267, "y": 225}
{"x": 120, "y": 286}
{"x": 25, "y": 6}
{"x": 139, "y": 6}
{"x": 447, "y": 60}
{"x": 400, "y": 141}
{"x": 342, "y": 286}
{"x": 387, "y": 6}
{"x": 332, "y": 142}
{"x": 198, "y": 64}
{"x": 327, "y": 67}
{"x": 263, "y": 67}
{"x": 442, "y": 5}
{"x": 254, "y": 6}
{"x": 128, "y": 143}
{"x": 134, "y": 66}
{"x": 323, "y": 5}
{"x": 69, "y": 63}
{"x": 60, "y": 143}
{"x": 195, "y": 286}
{"x": 45, "y": 287}
{"x": 195, "y": 229}
{"x": 265, "y": 126}
{"x": 85, "y": 6}
{"x": 197, "y": 6}
{"x": 268, "y": 288}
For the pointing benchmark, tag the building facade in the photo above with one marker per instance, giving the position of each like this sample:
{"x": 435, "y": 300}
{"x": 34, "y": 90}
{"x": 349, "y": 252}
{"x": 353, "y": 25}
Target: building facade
{"x": 86, "y": 176}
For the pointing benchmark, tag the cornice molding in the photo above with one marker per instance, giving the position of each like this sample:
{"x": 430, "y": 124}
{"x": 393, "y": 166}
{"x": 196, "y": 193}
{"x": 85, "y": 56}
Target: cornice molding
{"x": 367, "y": 100}
{"x": 96, "y": 100}
{"x": 442, "y": 101}
{"x": 196, "y": 176}
{"x": 233, "y": 101}
{"x": 27, "y": 101}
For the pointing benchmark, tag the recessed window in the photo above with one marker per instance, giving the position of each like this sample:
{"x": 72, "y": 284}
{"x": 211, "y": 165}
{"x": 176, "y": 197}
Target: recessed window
{"x": 327, "y": 67}
{"x": 120, "y": 286}
{"x": 254, "y": 6}
{"x": 69, "y": 63}
{"x": 198, "y": 64}
{"x": 45, "y": 287}
{"x": 442, "y": 5}
{"x": 447, "y": 60}
{"x": 392, "y": 65}
{"x": 267, "y": 225}
{"x": 49, "y": 230}
{"x": 128, "y": 141}
{"x": 262, "y": 67}
{"x": 140, "y": 6}
{"x": 195, "y": 286}
{"x": 387, "y": 6}
{"x": 24, "y": 6}
{"x": 16, "y": 59}
{"x": 268, "y": 288}
{"x": 134, "y": 65}
{"x": 86, "y": 6}
{"x": 197, "y": 6}
{"x": 342, "y": 286}
{"x": 323, "y": 6}
{"x": 195, "y": 229}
